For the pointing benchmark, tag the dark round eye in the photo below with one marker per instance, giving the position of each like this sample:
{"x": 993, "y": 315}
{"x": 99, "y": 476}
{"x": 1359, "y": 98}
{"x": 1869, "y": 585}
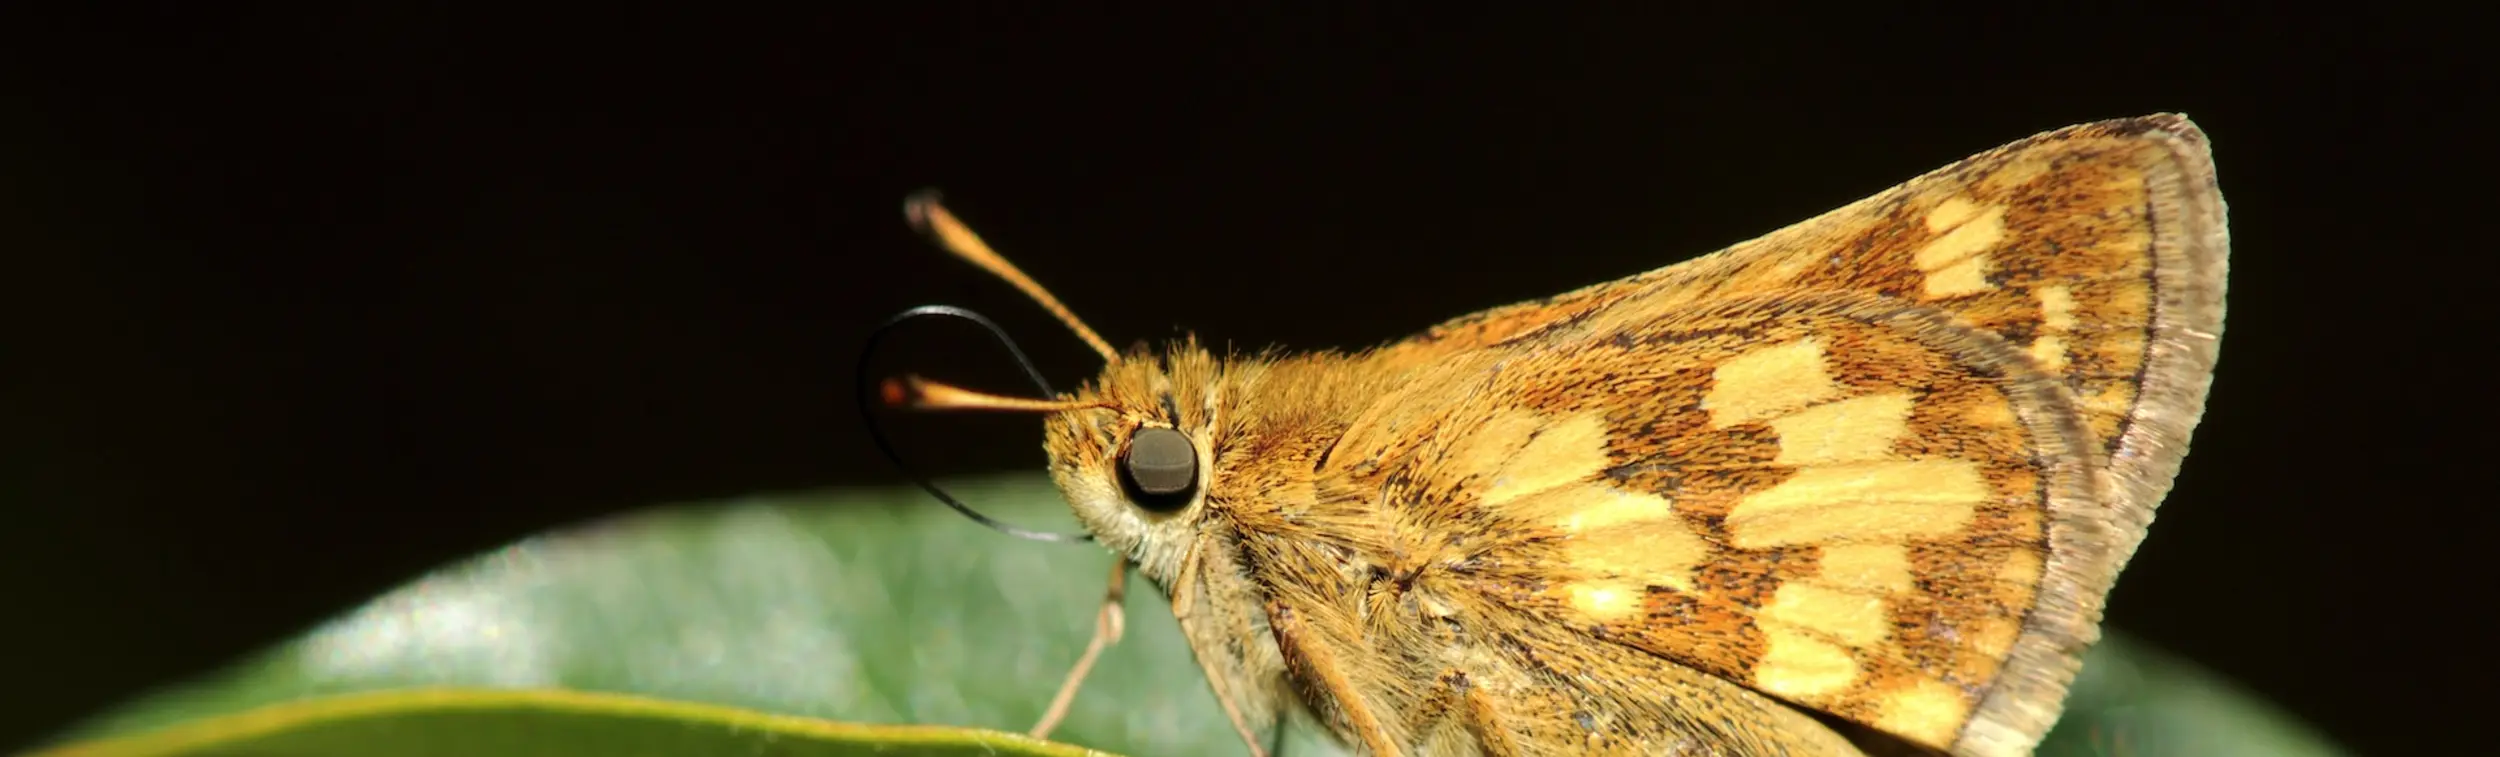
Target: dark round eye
{"x": 1161, "y": 467}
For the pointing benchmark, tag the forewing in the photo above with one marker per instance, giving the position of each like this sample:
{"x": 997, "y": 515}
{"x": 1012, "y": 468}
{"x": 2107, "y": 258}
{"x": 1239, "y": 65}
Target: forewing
{"x": 1885, "y": 463}
{"x": 2100, "y": 250}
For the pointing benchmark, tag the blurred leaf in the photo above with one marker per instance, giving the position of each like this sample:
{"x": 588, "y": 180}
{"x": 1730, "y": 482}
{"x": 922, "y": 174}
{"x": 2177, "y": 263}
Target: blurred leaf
{"x": 799, "y": 625}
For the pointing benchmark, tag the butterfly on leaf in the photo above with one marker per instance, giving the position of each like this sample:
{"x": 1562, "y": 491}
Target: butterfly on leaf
{"x": 1857, "y": 486}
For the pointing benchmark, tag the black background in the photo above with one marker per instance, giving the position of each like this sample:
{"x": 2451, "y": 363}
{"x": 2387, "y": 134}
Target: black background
{"x": 304, "y": 302}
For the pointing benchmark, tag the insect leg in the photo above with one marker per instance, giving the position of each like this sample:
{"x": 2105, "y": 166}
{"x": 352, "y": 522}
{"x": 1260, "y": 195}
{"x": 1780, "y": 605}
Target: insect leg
{"x": 1224, "y": 677}
{"x": 1108, "y": 624}
{"x": 1318, "y": 666}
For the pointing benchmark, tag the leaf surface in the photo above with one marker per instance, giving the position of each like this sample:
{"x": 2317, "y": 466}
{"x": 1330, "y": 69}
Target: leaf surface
{"x": 862, "y": 621}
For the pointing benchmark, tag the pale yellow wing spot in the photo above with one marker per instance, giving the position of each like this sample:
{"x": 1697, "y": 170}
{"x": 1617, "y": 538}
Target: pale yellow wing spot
{"x": 1494, "y": 442}
{"x": 1616, "y": 533}
{"x": 2057, "y": 316}
{"x": 1664, "y": 552}
{"x": 1601, "y": 506}
{"x": 1978, "y": 230}
{"x": 1585, "y": 506}
{"x": 1558, "y": 455}
{"x": 1929, "y": 710}
{"x": 1956, "y": 262}
{"x": 2057, "y": 308}
{"x": 2049, "y": 352}
{"x": 1851, "y": 430}
{"x": 1954, "y": 211}
{"x": 1878, "y": 501}
{"x": 1800, "y": 666}
{"x": 1854, "y": 619}
{"x": 1768, "y": 382}
{"x": 1959, "y": 277}
{"x": 1606, "y": 601}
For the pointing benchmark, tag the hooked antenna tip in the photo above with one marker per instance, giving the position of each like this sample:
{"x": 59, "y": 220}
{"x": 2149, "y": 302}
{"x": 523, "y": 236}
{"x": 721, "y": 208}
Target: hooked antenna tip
{"x": 896, "y": 392}
{"x": 919, "y": 206}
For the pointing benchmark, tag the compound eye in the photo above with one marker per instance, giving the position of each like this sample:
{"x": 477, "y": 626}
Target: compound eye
{"x": 1161, "y": 467}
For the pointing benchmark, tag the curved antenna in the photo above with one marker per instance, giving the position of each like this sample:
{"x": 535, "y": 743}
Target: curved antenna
{"x": 926, "y": 214}
{"x": 887, "y": 446}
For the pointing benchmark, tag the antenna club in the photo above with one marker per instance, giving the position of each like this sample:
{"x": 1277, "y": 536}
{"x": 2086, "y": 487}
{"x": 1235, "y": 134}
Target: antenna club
{"x": 956, "y": 238}
{"x": 898, "y": 392}
{"x": 920, "y": 206}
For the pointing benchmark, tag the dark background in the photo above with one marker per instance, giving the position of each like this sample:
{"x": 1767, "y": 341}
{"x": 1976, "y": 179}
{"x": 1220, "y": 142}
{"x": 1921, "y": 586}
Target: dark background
{"x": 305, "y": 302}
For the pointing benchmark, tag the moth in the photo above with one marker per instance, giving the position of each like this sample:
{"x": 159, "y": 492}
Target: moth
{"x": 1857, "y": 486}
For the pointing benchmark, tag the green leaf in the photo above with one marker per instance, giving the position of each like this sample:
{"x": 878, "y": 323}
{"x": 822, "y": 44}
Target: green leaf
{"x": 862, "y": 621}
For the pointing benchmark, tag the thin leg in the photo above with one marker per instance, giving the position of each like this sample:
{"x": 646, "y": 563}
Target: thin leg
{"x": 1108, "y": 625}
{"x": 1318, "y": 665}
{"x": 1184, "y": 608}
{"x": 1240, "y": 726}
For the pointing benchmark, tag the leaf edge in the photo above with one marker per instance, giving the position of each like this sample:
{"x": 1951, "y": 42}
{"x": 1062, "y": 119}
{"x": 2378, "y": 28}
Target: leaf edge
{"x": 240, "y": 726}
